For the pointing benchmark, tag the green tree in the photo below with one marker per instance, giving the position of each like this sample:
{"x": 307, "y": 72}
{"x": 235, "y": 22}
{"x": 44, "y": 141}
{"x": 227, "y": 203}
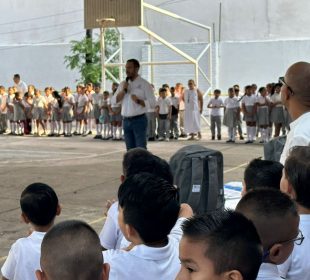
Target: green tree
{"x": 91, "y": 72}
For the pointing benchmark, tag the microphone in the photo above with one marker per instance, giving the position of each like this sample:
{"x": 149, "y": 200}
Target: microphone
{"x": 127, "y": 79}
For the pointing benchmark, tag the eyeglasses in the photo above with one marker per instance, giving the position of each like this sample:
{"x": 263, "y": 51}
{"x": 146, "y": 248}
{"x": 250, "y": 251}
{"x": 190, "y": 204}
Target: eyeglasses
{"x": 282, "y": 82}
{"x": 298, "y": 240}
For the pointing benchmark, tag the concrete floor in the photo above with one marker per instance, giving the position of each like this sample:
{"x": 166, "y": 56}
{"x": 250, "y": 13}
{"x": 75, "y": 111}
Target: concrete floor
{"x": 84, "y": 173}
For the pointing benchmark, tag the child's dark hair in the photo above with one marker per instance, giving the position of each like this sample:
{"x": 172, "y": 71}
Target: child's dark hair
{"x": 39, "y": 203}
{"x": 163, "y": 89}
{"x": 230, "y": 239}
{"x": 263, "y": 173}
{"x": 139, "y": 160}
{"x": 268, "y": 209}
{"x": 261, "y": 89}
{"x": 150, "y": 205}
{"x": 71, "y": 250}
{"x": 217, "y": 91}
{"x": 297, "y": 172}
{"x": 57, "y": 96}
{"x": 172, "y": 89}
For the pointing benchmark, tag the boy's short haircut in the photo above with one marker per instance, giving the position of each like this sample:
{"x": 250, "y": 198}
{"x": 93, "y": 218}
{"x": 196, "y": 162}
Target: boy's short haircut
{"x": 140, "y": 160}
{"x": 263, "y": 173}
{"x": 150, "y": 205}
{"x": 39, "y": 203}
{"x": 268, "y": 209}
{"x": 106, "y": 92}
{"x": 172, "y": 88}
{"x": 297, "y": 172}
{"x": 72, "y": 250}
{"x": 17, "y": 76}
{"x": 217, "y": 91}
{"x": 163, "y": 89}
{"x": 97, "y": 85}
{"x": 231, "y": 241}
{"x": 135, "y": 62}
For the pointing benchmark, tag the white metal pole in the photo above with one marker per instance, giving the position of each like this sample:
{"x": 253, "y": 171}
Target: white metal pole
{"x": 120, "y": 41}
{"x": 103, "y": 80}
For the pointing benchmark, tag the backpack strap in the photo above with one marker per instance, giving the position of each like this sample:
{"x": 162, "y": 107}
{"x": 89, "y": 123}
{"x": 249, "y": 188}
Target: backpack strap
{"x": 213, "y": 183}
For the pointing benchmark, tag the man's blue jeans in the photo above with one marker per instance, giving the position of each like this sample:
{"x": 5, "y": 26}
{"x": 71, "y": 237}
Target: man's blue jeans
{"x": 135, "y": 132}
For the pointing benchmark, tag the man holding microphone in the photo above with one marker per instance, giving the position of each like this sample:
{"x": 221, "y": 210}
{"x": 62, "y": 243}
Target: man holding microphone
{"x": 134, "y": 93}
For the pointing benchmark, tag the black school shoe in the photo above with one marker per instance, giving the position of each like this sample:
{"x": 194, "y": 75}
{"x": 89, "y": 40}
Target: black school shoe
{"x": 219, "y": 137}
{"x": 151, "y": 139}
{"x": 98, "y": 137}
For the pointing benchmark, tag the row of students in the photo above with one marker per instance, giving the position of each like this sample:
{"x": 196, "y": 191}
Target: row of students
{"x": 260, "y": 110}
{"x": 265, "y": 238}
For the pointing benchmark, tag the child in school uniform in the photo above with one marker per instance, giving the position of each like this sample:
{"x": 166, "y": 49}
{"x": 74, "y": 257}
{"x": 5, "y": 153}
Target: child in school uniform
{"x": 67, "y": 112}
{"x": 223, "y": 245}
{"x": 134, "y": 161}
{"x": 3, "y": 110}
{"x": 19, "y": 114}
{"x": 56, "y": 115}
{"x": 49, "y": 98}
{"x": 89, "y": 109}
{"x": 39, "y": 111}
{"x": 10, "y": 112}
{"x": 104, "y": 118}
{"x": 231, "y": 114}
{"x": 175, "y": 102}
{"x": 249, "y": 113}
{"x": 28, "y": 103}
{"x": 277, "y": 115}
{"x": 150, "y": 217}
{"x": 97, "y": 100}
{"x": 276, "y": 220}
{"x": 116, "y": 117}
{"x": 65, "y": 260}
{"x": 163, "y": 109}
{"x": 39, "y": 205}
{"x": 263, "y": 103}
{"x": 151, "y": 120}
{"x": 295, "y": 183}
{"x": 81, "y": 112}
{"x": 215, "y": 104}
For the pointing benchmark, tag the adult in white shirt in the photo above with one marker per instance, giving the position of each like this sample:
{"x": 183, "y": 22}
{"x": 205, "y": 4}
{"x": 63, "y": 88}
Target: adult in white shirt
{"x": 295, "y": 94}
{"x": 193, "y": 108}
{"x": 20, "y": 85}
{"x": 133, "y": 93}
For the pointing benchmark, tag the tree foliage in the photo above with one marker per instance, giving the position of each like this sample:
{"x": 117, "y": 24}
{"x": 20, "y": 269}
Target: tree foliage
{"x": 91, "y": 72}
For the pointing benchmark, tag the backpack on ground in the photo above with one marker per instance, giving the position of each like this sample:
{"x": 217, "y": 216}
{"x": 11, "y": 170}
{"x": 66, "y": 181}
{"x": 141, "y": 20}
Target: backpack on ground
{"x": 198, "y": 173}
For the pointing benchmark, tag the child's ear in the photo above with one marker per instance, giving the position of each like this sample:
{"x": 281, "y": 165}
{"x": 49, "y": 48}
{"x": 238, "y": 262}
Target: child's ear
{"x": 243, "y": 192}
{"x": 105, "y": 271}
{"x": 275, "y": 254}
{"x": 58, "y": 210}
{"x": 233, "y": 275}
{"x": 122, "y": 178}
{"x": 24, "y": 218}
{"x": 40, "y": 275}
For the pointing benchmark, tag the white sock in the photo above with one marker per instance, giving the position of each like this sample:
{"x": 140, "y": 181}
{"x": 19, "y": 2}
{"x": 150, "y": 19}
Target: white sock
{"x": 70, "y": 128}
{"x": 120, "y": 132}
{"x": 253, "y": 132}
{"x": 248, "y": 132}
{"x": 90, "y": 124}
{"x": 230, "y": 133}
{"x": 11, "y": 127}
{"x": 97, "y": 129}
{"x": 100, "y": 128}
{"x": 65, "y": 125}
{"x": 114, "y": 131}
{"x": 105, "y": 128}
{"x": 78, "y": 128}
{"x": 58, "y": 127}
{"x": 52, "y": 128}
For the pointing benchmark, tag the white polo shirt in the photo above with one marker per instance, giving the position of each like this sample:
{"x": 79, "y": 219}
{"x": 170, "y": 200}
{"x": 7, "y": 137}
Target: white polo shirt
{"x": 3, "y": 103}
{"x": 175, "y": 101}
{"x": 70, "y": 98}
{"x": 24, "y": 258}
{"x": 96, "y": 98}
{"x": 21, "y": 87}
{"x": 299, "y": 135}
{"x": 164, "y": 104}
{"x": 249, "y": 100}
{"x": 276, "y": 97}
{"x": 269, "y": 271}
{"x": 297, "y": 266}
{"x": 39, "y": 102}
{"x": 230, "y": 103}
{"x": 216, "y": 102}
{"x": 143, "y": 262}
{"x": 111, "y": 235}
{"x": 82, "y": 101}
{"x": 143, "y": 90}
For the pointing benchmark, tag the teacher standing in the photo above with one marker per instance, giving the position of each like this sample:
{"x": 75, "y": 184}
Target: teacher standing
{"x": 134, "y": 93}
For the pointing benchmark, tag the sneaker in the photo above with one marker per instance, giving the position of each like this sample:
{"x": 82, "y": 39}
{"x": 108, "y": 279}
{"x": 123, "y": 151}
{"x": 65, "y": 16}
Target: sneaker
{"x": 69, "y": 135}
{"x": 98, "y": 137}
{"x": 167, "y": 139}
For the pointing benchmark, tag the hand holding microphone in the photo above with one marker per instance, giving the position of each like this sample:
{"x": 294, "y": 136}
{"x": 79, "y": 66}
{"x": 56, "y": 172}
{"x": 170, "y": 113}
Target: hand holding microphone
{"x": 126, "y": 85}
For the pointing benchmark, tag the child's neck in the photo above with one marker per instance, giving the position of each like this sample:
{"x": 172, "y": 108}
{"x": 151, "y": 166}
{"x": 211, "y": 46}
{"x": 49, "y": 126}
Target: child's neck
{"x": 157, "y": 244}
{"x": 42, "y": 228}
{"x": 302, "y": 210}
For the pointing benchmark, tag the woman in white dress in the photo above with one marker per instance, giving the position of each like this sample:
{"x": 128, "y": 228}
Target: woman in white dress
{"x": 193, "y": 101}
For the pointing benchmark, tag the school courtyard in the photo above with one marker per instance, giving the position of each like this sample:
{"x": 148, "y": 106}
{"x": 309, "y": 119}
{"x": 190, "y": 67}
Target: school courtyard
{"x": 85, "y": 173}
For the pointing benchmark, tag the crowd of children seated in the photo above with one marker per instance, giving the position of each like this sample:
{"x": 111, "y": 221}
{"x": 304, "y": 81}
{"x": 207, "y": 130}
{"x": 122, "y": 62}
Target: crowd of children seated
{"x": 149, "y": 234}
{"x": 27, "y": 110}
